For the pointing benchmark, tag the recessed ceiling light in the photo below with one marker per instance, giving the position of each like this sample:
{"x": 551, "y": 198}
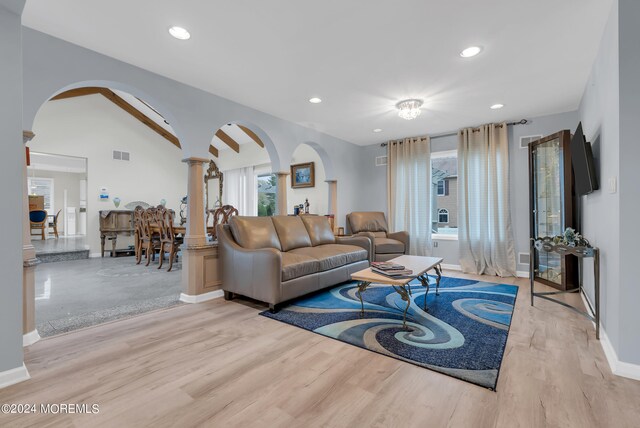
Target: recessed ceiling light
{"x": 179, "y": 33}
{"x": 471, "y": 51}
{"x": 377, "y": 130}
{"x": 497, "y": 106}
{"x": 315, "y": 100}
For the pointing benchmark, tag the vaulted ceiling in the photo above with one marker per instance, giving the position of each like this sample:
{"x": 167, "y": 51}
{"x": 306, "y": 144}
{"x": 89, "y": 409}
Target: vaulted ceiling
{"x": 359, "y": 56}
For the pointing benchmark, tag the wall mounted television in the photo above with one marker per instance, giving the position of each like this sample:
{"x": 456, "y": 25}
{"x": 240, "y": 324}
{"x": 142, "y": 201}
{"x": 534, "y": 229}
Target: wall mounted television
{"x": 584, "y": 169}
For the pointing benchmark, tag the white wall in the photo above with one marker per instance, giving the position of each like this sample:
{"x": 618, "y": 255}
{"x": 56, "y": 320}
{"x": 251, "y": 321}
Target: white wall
{"x": 92, "y": 127}
{"x": 318, "y": 195}
{"x": 69, "y": 181}
{"x": 250, "y": 155}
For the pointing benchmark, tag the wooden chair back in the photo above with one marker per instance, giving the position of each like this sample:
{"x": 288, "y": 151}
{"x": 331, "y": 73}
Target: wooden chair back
{"x": 222, "y": 215}
{"x": 139, "y": 223}
{"x": 164, "y": 219}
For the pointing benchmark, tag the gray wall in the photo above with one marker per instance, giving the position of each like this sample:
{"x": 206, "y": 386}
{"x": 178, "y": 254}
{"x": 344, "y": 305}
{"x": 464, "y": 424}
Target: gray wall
{"x": 11, "y": 163}
{"x": 600, "y": 116}
{"x": 629, "y": 31}
{"x": 52, "y": 65}
{"x": 374, "y": 198}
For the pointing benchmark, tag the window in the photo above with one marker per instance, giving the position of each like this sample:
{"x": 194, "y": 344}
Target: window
{"x": 267, "y": 189}
{"x": 443, "y": 215}
{"x": 444, "y": 200}
{"x": 42, "y": 187}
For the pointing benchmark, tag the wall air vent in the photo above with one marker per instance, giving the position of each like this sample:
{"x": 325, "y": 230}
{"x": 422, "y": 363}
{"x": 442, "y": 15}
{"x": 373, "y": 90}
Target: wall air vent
{"x": 118, "y": 155}
{"x": 524, "y": 141}
{"x": 524, "y": 258}
{"x": 381, "y": 161}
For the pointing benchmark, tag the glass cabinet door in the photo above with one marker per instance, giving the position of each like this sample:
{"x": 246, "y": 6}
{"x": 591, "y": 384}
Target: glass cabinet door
{"x": 548, "y": 199}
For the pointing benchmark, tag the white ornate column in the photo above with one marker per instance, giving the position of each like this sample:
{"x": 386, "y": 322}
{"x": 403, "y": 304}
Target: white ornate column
{"x": 281, "y": 195}
{"x": 200, "y": 271}
{"x": 29, "y": 261}
{"x": 332, "y": 203}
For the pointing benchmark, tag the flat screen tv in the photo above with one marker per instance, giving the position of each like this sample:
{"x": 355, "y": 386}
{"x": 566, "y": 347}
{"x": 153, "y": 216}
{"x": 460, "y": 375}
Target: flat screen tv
{"x": 584, "y": 169}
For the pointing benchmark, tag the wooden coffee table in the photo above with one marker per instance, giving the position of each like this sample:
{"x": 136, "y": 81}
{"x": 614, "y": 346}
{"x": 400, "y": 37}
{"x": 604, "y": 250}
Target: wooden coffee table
{"x": 418, "y": 264}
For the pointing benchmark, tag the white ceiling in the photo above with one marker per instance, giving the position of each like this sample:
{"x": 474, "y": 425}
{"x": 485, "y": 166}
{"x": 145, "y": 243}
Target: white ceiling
{"x": 359, "y": 56}
{"x": 59, "y": 163}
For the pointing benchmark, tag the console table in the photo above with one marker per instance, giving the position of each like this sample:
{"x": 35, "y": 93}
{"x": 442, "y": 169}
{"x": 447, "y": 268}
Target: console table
{"x": 547, "y": 244}
{"x": 112, "y": 224}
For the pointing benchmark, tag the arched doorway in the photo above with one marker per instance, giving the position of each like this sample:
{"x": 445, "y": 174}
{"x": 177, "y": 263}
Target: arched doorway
{"x": 311, "y": 184}
{"x": 249, "y": 161}
{"x": 132, "y": 156}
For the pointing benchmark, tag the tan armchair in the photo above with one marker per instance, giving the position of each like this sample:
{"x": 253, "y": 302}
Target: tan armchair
{"x": 373, "y": 225}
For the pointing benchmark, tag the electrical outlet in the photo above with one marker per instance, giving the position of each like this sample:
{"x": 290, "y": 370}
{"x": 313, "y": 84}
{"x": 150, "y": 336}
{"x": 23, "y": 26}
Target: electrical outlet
{"x": 613, "y": 185}
{"x": 435, "y": 244}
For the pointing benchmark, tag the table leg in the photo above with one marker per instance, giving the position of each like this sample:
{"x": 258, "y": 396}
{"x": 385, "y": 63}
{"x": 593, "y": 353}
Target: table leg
{"x": 402, "y": 291}
{"x": 102, "y": 239}
{"x": 113, "y": 246}
{"x": 424, "y": 279}
{"x": 362, "y": 285}
{"x": 438, "y": 269}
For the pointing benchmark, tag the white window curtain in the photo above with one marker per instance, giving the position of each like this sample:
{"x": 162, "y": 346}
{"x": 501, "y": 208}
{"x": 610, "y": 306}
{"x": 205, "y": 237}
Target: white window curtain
{"x": 240, "y": 189}
{"x": 485, "y": 234}
{"x": 409, "y": 191}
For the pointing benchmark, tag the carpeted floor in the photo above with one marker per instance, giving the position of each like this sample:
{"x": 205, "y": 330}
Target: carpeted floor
{"x": 463, "y": 334}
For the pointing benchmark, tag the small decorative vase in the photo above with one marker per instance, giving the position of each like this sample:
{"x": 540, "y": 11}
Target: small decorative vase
{"x": 163, "y": 202}
{"x": 116, "y": 201}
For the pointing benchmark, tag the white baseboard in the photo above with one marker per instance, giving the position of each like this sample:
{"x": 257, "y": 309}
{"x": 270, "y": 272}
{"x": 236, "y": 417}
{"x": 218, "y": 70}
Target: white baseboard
{"x": 187, "y": 298}
{"x": 13, "y": 376}
{"x": 95, "y": 255}
{"x": 522, "y": 274}
{"x": 618, "y": 368}
{"x": 30, "y": 338}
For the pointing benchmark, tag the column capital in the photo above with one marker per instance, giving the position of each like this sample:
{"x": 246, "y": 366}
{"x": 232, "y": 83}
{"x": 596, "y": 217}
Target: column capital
{"x": 194, "y": 160}
{"x": 281, "y": 173}
{"x": 330, "y": 180}
{"x": 27, "y": 136}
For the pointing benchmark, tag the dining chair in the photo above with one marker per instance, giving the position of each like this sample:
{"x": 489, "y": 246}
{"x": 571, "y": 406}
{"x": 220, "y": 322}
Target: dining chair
{"x": 38, "y": 220}
{"x": 53, "y": 224}
{"x": 149, "y": 240}
{"x": 221, "y": 215}
{"x": 169, "y": 242}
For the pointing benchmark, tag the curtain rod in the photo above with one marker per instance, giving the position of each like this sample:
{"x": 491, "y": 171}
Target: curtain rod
{"x": 448, "y": 134}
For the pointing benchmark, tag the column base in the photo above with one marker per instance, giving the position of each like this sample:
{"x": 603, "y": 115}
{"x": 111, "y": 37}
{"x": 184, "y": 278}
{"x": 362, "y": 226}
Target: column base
{"x": 199, "y": 298}
{"x": 201, "y": 276}
{"x": 30, "y": 338}
{"x": 13, "y": 376}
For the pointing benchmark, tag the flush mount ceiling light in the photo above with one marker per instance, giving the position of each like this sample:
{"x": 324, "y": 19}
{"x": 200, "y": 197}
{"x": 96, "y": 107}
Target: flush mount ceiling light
{"x": 471, "y": 51}
{"x": 496, "y": 106}
{"x": 315, "y": 100}
{"x": 377, "y": 130}
{"x": 409, "y": 109}
{"x": 179, "y": 33}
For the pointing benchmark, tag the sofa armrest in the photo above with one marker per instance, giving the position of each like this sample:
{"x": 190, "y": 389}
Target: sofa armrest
{"x": 252, "y": 273}
{"x": 359, "y": 241}
{"x": 402, "y": 237}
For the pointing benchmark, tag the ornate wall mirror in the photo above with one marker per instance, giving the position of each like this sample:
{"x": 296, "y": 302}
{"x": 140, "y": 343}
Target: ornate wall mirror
{"x": 213, "y": 174}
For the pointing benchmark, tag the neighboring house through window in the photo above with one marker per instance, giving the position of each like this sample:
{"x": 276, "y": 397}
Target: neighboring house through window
{"x": 444, "y": 202}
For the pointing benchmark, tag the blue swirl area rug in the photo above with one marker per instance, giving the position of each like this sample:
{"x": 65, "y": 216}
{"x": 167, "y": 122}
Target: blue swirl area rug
{"x": 463, "y": 334}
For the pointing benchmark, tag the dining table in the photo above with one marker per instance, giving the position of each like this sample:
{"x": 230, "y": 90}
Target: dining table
{"x": 178, "y": 229}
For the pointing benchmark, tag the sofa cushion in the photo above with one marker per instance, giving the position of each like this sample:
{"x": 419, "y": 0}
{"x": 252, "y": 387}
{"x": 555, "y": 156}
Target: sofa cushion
{"x": 254, "y": 232}
{"x": 388, "y": 246}
{"x": 331, "y": 256}
{"x": 291, "y": 232}
{"x": 368, "y": 222}
{"x": 297, "y": 265}
{"x": 319, "y": 229}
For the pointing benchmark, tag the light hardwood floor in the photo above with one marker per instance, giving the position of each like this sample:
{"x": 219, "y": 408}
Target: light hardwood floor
{"x": 221, "y": 364}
